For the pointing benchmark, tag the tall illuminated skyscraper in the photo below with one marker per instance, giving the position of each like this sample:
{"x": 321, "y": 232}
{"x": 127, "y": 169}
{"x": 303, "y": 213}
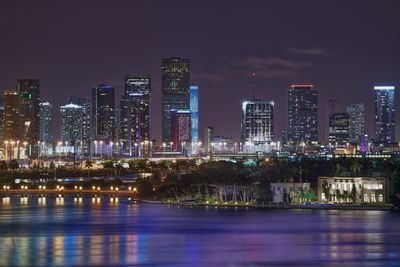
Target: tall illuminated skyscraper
{"x": 302, "y": 113}
{"x": 136, "y": 115}
{"x": 11, "y": 115}
{"x": 257, "y": 125}
{"x": 46, "y": 122}
{"x": 175, "y": 90}
{"x": 86, "y": 121}
{"x": 71, "y": 124}
{"x": 339, "y": 129}
{"x": 356, "y": 122}
{"x": 384, "y": 114}
{"x": 29, "y": 99}
{"x": 181, "y": 129}
{"x": 103, "y": 113}
{"x": 194, "y": 112}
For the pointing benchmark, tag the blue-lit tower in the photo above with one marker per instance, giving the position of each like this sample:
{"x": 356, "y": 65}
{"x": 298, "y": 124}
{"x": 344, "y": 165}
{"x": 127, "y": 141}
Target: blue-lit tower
{"x": 194, "y": 112}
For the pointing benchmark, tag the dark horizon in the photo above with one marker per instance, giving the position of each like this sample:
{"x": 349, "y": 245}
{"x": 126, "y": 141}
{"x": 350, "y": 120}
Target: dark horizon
{"x": 340, "y": 47}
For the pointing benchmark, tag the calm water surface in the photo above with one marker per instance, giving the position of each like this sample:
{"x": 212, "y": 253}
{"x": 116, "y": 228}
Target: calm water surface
{"x": 54, "y": 232}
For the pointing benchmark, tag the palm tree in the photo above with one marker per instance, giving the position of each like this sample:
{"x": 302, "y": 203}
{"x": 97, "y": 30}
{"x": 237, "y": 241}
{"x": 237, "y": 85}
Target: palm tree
{"x": 88, "y": 165}
{"x": 355, "y": 166}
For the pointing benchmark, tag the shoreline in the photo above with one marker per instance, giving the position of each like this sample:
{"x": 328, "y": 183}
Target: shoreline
{"x": 275, "y": 206}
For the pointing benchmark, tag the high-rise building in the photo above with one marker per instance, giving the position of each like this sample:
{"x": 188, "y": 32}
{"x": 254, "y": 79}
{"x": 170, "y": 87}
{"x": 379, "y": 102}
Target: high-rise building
{"x": 330, "y": 108}
{"x": 257, "y": 125}
{"x": 302, "y": 114}
{"x": 46, "y": 122}
{"x": 208, "y": 138}
{"x": 356, "y": 122}
{"x": 384, "y": 114}
{"x": 339, "y": 129}
{"x": 175, "y": 90}
{"x": 194, "y": 112}
{"x": 11, "y": 115}
{"x": 1, "y": 120}
{"x": 86, "y": 121}
{"x": 29, "y": 128}
{"x": 103, "y": 113}
{"x": 136, "y": 115}
{"x": 71, "y": 124}
{"x": 181, "y": 129}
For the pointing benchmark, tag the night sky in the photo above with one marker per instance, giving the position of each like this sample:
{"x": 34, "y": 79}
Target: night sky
{"x": 344, "y": 48}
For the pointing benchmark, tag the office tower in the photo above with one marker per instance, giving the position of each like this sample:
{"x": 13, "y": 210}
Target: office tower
{"x": 86, "y": 121}
{"x": 45, "y": 122}
{"x": 29, "y": 99}
{"x": 194, "y": 112}
{"x": 302, "y": 114}
{"x": 180, "y": 129}
{"x": 330, "y": 108}
{"x": 257, "y": 125}
{"x": 175, "y": 90}
{"x": 2, "y": 121}
{"x": 11, "y": 115}
{"x": 384, "y": 114}
{"x": 117, "y": 124}
{"x": 135, "y": 113}
{"x": 339, "y": 129}
{"x": 208, "y": 138}
{"x": 71, "y": 124}
{"x": 356, "y": 122}
{"x": 103, "y": 113}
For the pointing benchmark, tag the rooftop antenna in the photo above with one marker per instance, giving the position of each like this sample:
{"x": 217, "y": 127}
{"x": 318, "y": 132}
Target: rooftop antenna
{"x": 253, "y": 79}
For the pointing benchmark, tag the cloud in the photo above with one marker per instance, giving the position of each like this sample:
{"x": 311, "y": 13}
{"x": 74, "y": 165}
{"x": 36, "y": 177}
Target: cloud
{"x": 306, "y": 51}
{"x": 272, "y": 66}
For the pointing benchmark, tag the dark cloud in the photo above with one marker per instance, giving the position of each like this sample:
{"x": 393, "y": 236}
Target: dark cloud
{"x": 271, "y": 66}
{"x": 307, "y": 51}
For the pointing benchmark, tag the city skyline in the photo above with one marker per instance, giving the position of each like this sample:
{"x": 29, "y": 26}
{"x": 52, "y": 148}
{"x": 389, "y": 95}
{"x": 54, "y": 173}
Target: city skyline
{"x": 290, "y": 57}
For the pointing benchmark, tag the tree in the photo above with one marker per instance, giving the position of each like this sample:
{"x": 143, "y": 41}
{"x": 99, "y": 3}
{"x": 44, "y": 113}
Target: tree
{"x": 3, "y": 166}
{"x": 88, "y": 166}
{"x": 13, "y": 165}
{"x": 327, "y": 190}
{"x": 353, "y": 193}
{"x": 263, "y": 191}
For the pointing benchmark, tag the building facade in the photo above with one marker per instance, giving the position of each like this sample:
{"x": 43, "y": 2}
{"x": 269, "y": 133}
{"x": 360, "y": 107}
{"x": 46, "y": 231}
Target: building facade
{"x": 339, "y": 129}
{"x": 11, "y": 115}
{"x": 103, "y": 113}
{"x": 46, "y": 119}
{"x": 181, "y": 130}
{"x": 384, "y": 114}
{"x": 353, "y": 189}
{"x": 135, "y": 110}
{"x": 175, "y": 90}
{"x": 257, "y": 125}
{"x": 288, "y": 192}
{"x": 356, "y": 122}
{"x": 29, "y": 110}
{"x": 86, "y": 122}
{"x": 71, "y": 124}
{"x": 302, "y": 114}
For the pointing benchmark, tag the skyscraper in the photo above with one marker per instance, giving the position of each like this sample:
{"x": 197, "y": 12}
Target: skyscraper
{"x": 86, "y": 121}
{"x": 339, "y": 129}
{"x": 11, "y": 115}
{"x": 1, "y": 120}
{"x": 136, "y": 115}
{"x": 194, "y": 112}
{"x": 181, "y": 129}
{"x": 29, "y": 99}
{"x": 356, "y": 122}
{"x": 302, "y": 113}
{"x": 208, "y": 138}
{"x": 71, "y": 124}
{"x": 175, "y": 90}
{"x": 257, "y": 125}
{"x": 46, "y": 122}
{"x": 330, "y": 108}
{"x": 103, "y": 113}
{"x": 384, "y": 114}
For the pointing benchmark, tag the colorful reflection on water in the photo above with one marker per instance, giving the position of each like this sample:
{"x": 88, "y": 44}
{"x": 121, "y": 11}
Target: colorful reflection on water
{"x": 59, "y": 232}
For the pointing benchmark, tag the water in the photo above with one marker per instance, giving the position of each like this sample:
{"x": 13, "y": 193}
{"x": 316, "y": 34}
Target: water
{"x": 63, "y": 232}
